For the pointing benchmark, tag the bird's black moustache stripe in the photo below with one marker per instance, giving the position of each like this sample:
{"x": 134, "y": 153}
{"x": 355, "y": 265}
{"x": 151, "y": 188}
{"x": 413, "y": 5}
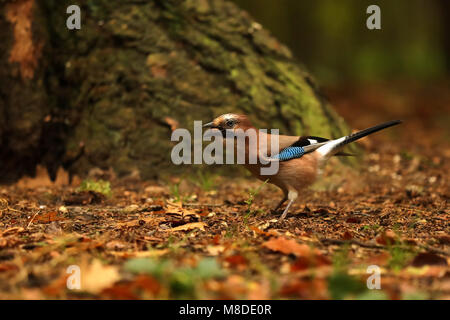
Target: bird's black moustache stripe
{"x": 221, "y": 129}
{"x": 224, "y": 132}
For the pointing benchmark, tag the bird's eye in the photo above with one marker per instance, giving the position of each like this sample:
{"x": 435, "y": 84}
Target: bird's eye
{"x": 230, "y": 123}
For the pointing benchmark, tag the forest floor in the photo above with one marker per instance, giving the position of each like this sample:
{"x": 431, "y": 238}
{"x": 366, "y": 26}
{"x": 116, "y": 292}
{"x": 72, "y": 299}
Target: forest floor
{"x": 213, "y": 237}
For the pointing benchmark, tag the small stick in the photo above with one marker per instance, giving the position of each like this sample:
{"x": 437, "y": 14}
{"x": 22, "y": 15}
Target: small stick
{"x": 201, "y": 205}
{"x": 375, "y": 246}
{"x": 29, "y": 223}
{"x": 4, "y": 203}
{"x": 361, "y": 244}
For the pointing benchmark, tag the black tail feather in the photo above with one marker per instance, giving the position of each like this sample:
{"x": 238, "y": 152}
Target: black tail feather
{"x": 360, "y": 134}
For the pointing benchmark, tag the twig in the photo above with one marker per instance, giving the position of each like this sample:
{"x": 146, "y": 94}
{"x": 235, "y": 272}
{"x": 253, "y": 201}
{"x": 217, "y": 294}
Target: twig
{"x": 437, "y": 251}
{"x": 201, "y": 205}
{"x": 376, "y": 246}
{"x": 29, "y": 223}
{"x": 358, "y": 243}
{"x": 5, "y": 205}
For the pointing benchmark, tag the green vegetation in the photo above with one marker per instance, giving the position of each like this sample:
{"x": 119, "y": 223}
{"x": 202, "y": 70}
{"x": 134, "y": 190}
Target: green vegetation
{"x": 341, "y": 285}
{"x": 175, "y": 191}
{"x": 401, "y": 255}
{"x": 100, "y": 186}
{"x": 252, "y": 194}
{"x": 182, "y": 281}
{"x": 204, "y": 180}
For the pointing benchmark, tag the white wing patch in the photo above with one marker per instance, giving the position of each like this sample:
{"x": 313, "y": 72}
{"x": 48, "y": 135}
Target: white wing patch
{"x": 328, "y": 149}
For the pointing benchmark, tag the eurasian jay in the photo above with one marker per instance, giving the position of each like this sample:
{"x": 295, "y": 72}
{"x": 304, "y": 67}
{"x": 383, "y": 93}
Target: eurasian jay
{"x": 300, "y": 158}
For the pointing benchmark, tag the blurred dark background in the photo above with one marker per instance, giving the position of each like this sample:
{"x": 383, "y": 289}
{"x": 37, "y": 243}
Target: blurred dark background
{"x": 401, "y": 71}
{"x": 330, "y": 37}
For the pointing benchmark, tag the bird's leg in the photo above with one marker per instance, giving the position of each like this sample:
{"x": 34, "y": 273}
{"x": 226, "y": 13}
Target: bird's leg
{"x": 292, "y": 195}
{"x": 280, "y": 203}
{"x": 286, "y": 210}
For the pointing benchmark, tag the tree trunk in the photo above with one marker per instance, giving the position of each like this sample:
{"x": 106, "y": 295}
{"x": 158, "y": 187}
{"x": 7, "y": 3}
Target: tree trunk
{"x": 106, "y": 95}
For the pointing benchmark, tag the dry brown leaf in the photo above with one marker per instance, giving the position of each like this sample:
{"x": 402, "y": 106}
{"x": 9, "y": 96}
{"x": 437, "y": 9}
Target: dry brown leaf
{"x": 189, "y": 226}
{"x": 149, "y": 238}
{"x": 128, "y": 290}
{"x": 137, "y": 222}
{"x": 84, "y": 198}
{"x": 139, "y": 254}
{"x": 116, "y": 245}
{"x": 177, "y": 208}
{"x": 155, "y": 190}
{"x": 428, "y": 258}
{"x": 215, "y": 250}
{"x": 7, "y": 266}
{"x": 287, "y": 246}
{"x": 57, "y": 286}
{"x": 237, "y": 260}
{"x": 49, "y": 217}
{"x": 259, "y": 291}
{"x": 257, "y": 230}
{"x": 387, "y": 237}
{"x": 12, "y": 230}
{"x": 96, "y": 277}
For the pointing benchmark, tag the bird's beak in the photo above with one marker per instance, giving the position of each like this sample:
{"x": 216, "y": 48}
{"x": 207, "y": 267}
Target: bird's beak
{"x": 208, "y": 125}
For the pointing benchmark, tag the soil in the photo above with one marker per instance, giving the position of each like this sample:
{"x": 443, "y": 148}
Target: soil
{"x": 215, "y": 237}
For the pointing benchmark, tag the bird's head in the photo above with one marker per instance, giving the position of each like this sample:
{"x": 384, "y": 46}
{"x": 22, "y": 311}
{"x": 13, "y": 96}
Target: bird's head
{"x": 229, "y": 121}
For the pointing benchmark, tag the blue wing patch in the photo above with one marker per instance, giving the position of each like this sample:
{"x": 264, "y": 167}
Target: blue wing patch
{"x": 290, "y": 153}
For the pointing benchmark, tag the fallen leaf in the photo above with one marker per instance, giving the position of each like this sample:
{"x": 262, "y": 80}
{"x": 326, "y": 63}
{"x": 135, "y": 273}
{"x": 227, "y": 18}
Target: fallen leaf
{"x": 236, "y": 260}
{"x": 257, "y": 230}
{"x": 97, "y": 276}
{"x": 149, "y": 238}
{"x": 139, "y": 254}
{"x": 286, "y": 246}
{"x": 353, "y": 220}
{"x": 189, "y": 226}
{"x": 215, "y": 250}
{"x": 428, "y": 258}
{"x": 84, "y": 198}
{"x": 147, "y": 283}
{"x": 304, "y": 289}
{"x": 122, "y": 291}
{"x": 57, "y": 286}
{"x": 12, "y": 230}
{"x": 115, "y": 245}
{"x": 131, "y": 209}
{"x": 176, "y": 208}
{"x": 444, "y": 239}
{"x": 49, "y": 217}
{"x": 155, "y": 190}
{"x": 347, "y": 235}
{"x": 128, "y": 290}
{"x": 7, "y": 266}
{"x": 386, "y": 238}
{"x": 259, "y": 291}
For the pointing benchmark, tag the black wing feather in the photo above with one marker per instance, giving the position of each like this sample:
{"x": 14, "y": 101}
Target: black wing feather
{"x": 308, "y": 140}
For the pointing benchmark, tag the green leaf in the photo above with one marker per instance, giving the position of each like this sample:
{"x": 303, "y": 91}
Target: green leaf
{"x": 208, "y": 268}
{"x": 342, "y": 285}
